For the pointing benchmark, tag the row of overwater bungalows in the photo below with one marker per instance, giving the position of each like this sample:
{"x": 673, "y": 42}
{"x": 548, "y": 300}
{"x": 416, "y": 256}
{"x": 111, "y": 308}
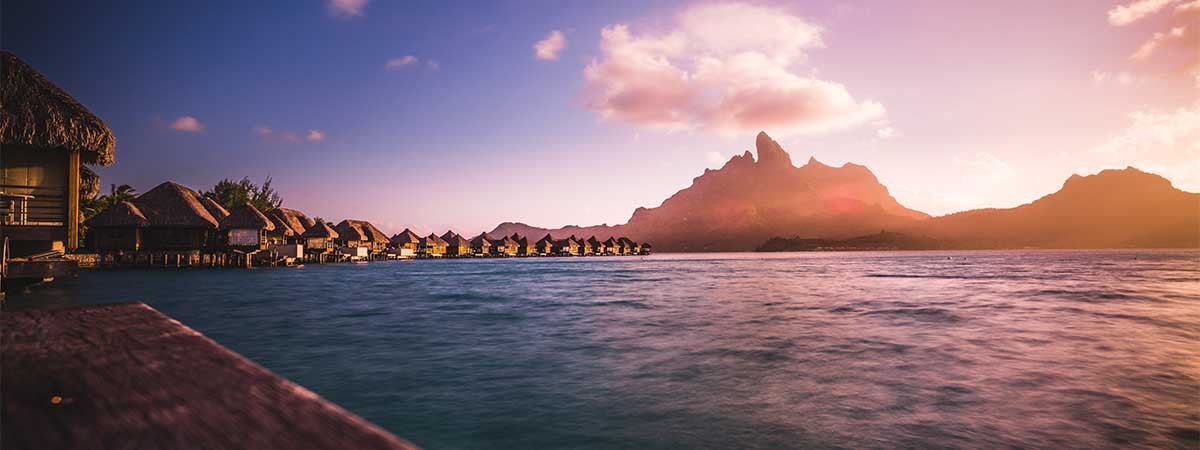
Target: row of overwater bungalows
{"x": 173, "y": 225}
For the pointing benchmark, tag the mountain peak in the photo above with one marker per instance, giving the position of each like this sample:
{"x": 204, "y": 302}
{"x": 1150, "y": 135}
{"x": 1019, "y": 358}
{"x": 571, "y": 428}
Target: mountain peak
{"x": 770, "y": 154}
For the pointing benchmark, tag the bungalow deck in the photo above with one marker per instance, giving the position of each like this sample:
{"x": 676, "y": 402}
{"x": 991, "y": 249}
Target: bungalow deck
{"x": 127, "y": 376}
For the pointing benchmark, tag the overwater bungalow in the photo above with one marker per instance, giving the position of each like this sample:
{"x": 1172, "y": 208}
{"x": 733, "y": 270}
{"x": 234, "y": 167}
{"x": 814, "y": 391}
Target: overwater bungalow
{"x": 611, "y": 246}
{"x": 481, "y": 245}
{"x": 116, "y": 234}
{"x": 545, "y": 245}
{"x": 181, "y": 229}
{"x": 319, "y": 241}
{"x": 361, "y": 234}
{"x": 566, "y": 247}
{"x": 282, "y": 234}
{"x": 456, "y": 245}
{"x": 46, "y": 137}
{"x": 597, "y": 246}
{"x": 525, "y": 246}
{"x": 246, "y": 231}
{"x": 626, "y": 246}
{"x": 297, "y": 221}
{"x": 645, "y": 249}
{"x": 282, "y": 242}
{"x": 585, "y": 247}
{"x": 404, "y": 244}
{"x": 432, "y": 246}
{"x": 505, "y": 246}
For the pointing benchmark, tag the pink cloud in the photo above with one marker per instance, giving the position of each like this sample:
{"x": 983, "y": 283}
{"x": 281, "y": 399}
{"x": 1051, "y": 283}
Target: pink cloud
{"x": 315, "y": 135}
{"x": 724, "y": 68}
{"x": 401, "y": 62}
{"x": 263, "y": 131}
{"x": 347, "y": 8}
{"x": 187, "y": 124}
{"x": 1158, "y": 41}
{"x": 548, "y": 49}
{"x": 289, "y": 136}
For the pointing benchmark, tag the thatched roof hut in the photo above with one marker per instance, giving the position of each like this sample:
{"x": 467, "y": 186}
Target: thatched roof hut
{"x": 37, "y": 113}
{"x": 456, "y": 240}
{"x": 547, "y": 239}
{"x": 173, "y": 205}
{"x": 360, "y": 230}
{"x": 506, "y": 242}
{"x": 296, "y": 220}
{"x": 433, "y": 240}
{"x": 123, "y": 214}
{"x": 320, "y": 230}
{"x": 247, "y": 216}
{"x": 218, "y": 212}
{"x": 281, "y": 227}
{"x": 593, "y": 242}
{"x": 483, "y": 241}
{"x": 406, "y": 237}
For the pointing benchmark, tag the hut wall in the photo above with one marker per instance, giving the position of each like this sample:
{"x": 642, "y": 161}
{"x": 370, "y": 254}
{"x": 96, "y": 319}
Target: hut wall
{"x": 245, "y": 237}
{"x": 116, "y": 238}
{"x": 170, "y": 238}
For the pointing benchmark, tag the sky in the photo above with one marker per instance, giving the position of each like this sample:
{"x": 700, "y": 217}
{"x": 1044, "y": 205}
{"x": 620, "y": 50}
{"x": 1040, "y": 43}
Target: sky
{"x": 435, "y": 115}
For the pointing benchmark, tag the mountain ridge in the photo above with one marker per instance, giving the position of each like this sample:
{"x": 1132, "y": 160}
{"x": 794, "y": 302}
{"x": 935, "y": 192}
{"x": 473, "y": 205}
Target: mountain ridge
{"x": 746, "y": 202}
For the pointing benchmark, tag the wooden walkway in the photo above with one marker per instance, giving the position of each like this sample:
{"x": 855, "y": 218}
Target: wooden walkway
{"x": 127, "y": 376}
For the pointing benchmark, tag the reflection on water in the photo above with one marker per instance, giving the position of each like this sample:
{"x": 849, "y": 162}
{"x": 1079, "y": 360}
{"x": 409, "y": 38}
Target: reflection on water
{"x": 855, "y": 350}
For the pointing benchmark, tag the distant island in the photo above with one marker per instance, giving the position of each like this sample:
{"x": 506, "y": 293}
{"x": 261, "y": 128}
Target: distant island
{"x": 769, "y": 204}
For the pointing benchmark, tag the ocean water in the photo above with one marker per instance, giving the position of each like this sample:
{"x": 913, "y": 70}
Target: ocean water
{"x": 929, "y": 350}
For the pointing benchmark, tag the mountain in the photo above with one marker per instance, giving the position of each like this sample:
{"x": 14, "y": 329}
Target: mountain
{"x": 1111, "y": 209}
{"x": 746, "y": 202}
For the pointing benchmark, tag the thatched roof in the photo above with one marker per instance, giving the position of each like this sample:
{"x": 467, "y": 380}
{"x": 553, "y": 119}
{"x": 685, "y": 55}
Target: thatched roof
{"x": 433, "y": 240}
{"x": 320, "y": 230}
{"x": 218, "y": 212}
{"x": 295, "y": 220}
{"x": 173, "y": 205}
{"x": 360, "y": 230}
{"x": 610, "y": 242}
{"x": 281, "y": 226}
{"x": 124, "y": 214}
{"x": 38, "y": 113}
{"x": 89, "y": 183}
{"x": 505, "y": 242}
{"x": 455, "y": 240}
{"x": 626, "y": 241}
{"x": 592, "y": 241}
{"x": 247, "y": 216}
{"x": 406, "y": 237}
{"x": 547, "y": 239}
{"x": 482, "y": 240}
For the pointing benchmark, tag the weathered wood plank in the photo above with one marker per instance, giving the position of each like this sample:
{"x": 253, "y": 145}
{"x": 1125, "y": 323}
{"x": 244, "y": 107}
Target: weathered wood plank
{"x": 127, "y": 376}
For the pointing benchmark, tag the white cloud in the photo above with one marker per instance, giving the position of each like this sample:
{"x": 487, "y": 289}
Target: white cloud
{"x": 548, "y": 49}
{"x": 1163, "y": 142}
{"x": 315, "y": 135}
{"x": 886, "y": 133}
{"x": 725, "y": 68}
{"x": 347, "y": 8}
{"x": 1122, "y": 15}
{"x": 187, "y": 124}
{"x": 401, "y": 62}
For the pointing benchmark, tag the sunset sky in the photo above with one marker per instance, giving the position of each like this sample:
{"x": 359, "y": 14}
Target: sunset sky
{"x": 436, "y": 115}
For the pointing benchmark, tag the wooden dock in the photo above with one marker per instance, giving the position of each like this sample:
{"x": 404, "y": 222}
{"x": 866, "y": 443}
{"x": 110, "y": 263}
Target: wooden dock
{"x": 127, "y": 376}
